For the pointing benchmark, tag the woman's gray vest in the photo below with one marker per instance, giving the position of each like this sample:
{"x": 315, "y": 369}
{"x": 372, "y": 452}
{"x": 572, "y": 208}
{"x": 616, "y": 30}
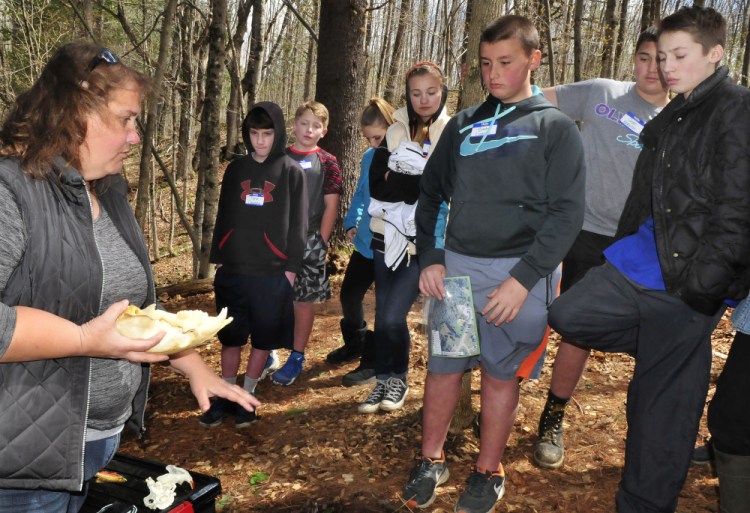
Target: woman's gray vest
{"x": 44, "y": 404}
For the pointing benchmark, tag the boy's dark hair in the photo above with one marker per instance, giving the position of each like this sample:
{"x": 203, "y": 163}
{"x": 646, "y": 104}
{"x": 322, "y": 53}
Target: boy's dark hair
{"x": 707, "y": 26}
{"x": 512, "y": 26}
{"x": 649, "y": 35}
{"x": 258, "y": 119}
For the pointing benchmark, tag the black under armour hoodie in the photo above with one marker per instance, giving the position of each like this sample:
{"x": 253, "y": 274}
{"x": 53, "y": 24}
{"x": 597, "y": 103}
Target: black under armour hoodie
{"x": 262, "y": 217}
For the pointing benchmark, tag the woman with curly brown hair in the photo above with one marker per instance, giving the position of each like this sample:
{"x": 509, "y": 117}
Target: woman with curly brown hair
{"x": 71, "y": 259}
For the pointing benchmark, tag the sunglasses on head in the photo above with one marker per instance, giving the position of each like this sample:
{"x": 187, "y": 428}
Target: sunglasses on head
{"x": 105, "y": 56}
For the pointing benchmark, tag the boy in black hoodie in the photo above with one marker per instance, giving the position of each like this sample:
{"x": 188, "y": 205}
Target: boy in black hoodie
{"x": 512, "y": 169}
{"x": 257, "y": 247}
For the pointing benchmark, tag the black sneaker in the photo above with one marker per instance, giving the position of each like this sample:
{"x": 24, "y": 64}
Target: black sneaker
{"x": 424, "y": 479}
{"x": 395, "y": 394}
{"x": 372, "y": 403}
{"x": 244, "y": 417}
{"x": 219, "y": 410}
{"x": 483, "y": 490}
{"x": 359, "y": 376}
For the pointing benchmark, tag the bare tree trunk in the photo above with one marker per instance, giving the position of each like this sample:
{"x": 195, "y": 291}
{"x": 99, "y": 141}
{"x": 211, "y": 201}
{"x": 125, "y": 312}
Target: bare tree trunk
{"x": 387, "y": 29}
{"x": 608, "y": 38}
{"x": 567, "y": 17}
{"x": 390, "y": 84}
{"x": 341, "y": 87}
{"x": 282, "y": 35}
{"x": 746, "y": 58}
{"x": 310, "y": 55}
{"x": 479, "y": 13}
{"x": 144, "y": 179}
{"x": 153, "y": 217}
{"x": 208, "y": 165}
{"x": 621, "y": 34}
{"x": 185, "y": 87}
{"x": 651, "y": 13}
{"x": 234, "y": 106}
{"x": 577, "y": 49}
{"x": 546, "y": 15}
{"x": 251, "y": 80}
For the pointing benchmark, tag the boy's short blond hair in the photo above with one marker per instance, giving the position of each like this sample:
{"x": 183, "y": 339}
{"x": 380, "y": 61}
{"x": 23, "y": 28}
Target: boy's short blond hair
{"x": 318, "y": 109}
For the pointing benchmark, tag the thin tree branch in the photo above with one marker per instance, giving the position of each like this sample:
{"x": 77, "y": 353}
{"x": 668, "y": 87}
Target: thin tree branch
{"x": 301, "y": 20}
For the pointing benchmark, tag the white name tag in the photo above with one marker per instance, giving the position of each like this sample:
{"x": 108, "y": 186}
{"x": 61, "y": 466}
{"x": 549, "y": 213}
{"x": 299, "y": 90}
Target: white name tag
{"x": 426, "y": 148}
{"x": 305, "y": 164}
{"x": 254, "y": 198}
{"x": 483, "y": 128}
{"x": 633, "y": 124}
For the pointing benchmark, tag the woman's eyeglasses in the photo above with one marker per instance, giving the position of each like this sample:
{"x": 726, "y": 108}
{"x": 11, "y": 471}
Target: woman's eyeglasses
{"x": 105, "y": 56}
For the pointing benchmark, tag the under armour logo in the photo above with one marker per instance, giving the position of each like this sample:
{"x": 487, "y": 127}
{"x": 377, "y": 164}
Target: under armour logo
{"x": 267, "y": 188}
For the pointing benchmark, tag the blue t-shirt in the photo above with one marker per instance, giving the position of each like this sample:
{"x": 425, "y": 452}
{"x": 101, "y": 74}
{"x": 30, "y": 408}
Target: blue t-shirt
{"x": 635, "y": 256}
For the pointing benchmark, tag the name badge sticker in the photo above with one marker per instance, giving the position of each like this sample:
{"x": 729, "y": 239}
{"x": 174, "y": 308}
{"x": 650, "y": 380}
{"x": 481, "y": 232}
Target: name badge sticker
{"x": 632, "y": 123}
{"x": 426, "y": 148}
{"x": 483, "y": 128}
{"x": 254, "y": 198}
{"x": 305, "y": 164}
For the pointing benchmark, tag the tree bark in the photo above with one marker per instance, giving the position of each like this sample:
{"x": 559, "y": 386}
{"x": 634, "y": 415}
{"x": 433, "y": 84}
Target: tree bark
{"x": 311, "y": 55}
{"x": 480, "y": 14}
{"x": 608, "y": 39}
{"x": 251, "y": 80}
{"x": 547, "y": 16}
{"x": 746, "y": 57}
{"x": 154, "y": 97}
{"x": 577, "y": 48}
{"x": 185, "y": 87}
{"x": 209, "y": 139}
{"x": 341, "y": 88}
{"x": 390, "y": 85}
{"x": 621, "y": 35}
{"x": 234, "y": 105}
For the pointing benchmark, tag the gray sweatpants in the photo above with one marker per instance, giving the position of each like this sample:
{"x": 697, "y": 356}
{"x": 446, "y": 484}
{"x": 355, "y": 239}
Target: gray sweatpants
{"x": 671, "y": 344}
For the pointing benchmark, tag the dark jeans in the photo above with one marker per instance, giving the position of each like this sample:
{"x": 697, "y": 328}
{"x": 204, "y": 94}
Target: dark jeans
{"x": 395, "y": 292}
{"x": 360, "y": 274}
{"x": 729, "y": 411}
{"x": 586, "y": 253}
{"x": 671, "y": 344}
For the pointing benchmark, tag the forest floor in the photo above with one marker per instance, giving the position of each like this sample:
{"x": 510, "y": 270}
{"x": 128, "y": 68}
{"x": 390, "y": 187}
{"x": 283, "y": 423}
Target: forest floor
{"x": 312, "y": 452}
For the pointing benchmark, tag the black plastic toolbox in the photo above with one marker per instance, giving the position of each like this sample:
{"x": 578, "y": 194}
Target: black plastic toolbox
{"x": 128, "y": 497}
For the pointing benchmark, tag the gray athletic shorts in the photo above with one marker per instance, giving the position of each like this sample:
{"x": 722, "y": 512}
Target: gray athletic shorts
{"x": 311, "y": 284}
{"x": 508, "y": 351}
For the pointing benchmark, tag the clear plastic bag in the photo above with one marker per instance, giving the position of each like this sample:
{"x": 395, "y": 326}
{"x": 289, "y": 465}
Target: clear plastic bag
{"x": 451, "y": 324}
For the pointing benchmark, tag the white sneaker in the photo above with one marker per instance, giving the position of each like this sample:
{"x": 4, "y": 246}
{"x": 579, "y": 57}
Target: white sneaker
{"x": 396, "y": 392}
{"x": 372, "y": 403}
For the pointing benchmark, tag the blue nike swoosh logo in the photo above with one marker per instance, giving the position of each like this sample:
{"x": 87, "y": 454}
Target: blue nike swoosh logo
{"x": 468, "y": 148}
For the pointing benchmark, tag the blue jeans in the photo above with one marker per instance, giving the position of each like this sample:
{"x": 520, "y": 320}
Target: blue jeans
{"x": 98, "y": 454}
{"x": 395, "y": 292}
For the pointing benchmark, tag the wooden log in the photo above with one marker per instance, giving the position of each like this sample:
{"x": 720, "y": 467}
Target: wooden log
{"x": 187, "y": 288}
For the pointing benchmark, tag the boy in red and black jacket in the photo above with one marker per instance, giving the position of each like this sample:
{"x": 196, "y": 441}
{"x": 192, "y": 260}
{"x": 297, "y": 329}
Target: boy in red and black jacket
{"x": 258, "y": 244}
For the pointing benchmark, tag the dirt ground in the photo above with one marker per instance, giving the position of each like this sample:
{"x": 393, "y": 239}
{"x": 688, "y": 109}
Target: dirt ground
{"x": 313, "y": 452}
